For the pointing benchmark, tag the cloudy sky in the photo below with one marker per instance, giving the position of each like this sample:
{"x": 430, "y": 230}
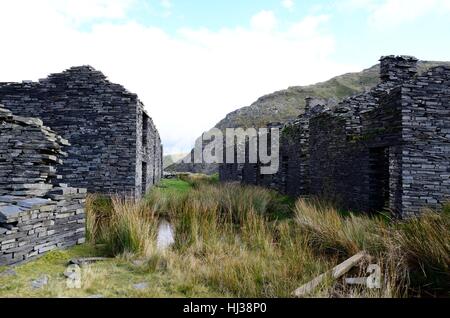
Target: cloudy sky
{"x": 193, "y": 61}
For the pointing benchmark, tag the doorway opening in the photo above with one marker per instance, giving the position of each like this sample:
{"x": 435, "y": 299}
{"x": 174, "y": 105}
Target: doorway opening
{"x": 379, "y": 178}
{"x": 285, "y": 174}
{"x": 144, "y": 178}
{"x": 145, "y": 120}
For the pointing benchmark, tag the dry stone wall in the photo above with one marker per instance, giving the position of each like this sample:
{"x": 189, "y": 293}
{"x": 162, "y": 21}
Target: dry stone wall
{"x": 104, "y": 124}
{"x": 37, "y": 212}
{"x": 148, "y": 168}
{"x": 425, "y": 163}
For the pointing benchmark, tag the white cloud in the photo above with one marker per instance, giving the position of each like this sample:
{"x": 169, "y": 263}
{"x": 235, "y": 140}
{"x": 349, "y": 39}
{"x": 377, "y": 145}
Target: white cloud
{"x": 188, "y": 81}
{"x": 288, "y": 4}
{"x": 82, "y": 10}
{"x": 264, "y": 21}
{"x": 395, "y": 12}
{"x": 309, "y": 26}
{"x": 166, "y": 4}
{"x": 384, "y": 14}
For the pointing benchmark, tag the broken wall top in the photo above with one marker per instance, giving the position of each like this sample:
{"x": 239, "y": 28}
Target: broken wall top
{"x": 394, "y": 71}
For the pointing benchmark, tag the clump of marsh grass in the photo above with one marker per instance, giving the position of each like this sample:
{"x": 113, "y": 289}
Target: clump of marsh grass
{"x": 98, "y": 213}
{"x": 132, "y": 228}
{"x": 121, "y": 225}
{"x": 210, "y": 213}
{"x": 425, "y": 241}
{"x": 346, "y": 235}
{"x": 414, "y": 253}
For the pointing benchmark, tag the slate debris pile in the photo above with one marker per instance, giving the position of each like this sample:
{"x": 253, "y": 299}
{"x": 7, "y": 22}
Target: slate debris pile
{"x": 37, "y": 212}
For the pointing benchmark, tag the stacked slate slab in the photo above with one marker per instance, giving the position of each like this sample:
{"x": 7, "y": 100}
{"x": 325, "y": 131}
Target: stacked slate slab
{"x": 115, "y": 146}
{"x": 385, "y": 149}
{"x": 37, "y": 212}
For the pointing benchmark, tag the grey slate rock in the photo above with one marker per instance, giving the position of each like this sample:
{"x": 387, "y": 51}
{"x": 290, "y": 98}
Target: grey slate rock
{"x": 40, "y": 283}
{"x": 8, "y": 273}
{"x": 9, "y": 198}
{"x": 140, "y": 286}
{"x": 33, "y": 203}
{"x": 10, "y": 211}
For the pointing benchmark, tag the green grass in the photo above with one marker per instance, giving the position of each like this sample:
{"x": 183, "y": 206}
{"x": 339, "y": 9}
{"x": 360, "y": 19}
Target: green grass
{"x": 174, "y": 186}
{"x": 113, "y": 278}
{"x": 239, "y": 241}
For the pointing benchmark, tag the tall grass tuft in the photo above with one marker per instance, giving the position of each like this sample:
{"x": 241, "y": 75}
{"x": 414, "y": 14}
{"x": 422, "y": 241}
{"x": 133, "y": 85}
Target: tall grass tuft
{"x": 415, "y": 253}
{"x": 345, "y": 235}
{"x": 125, "y": 227}
{"x": 98, "y": 213}
{"x": 426, "y": 243}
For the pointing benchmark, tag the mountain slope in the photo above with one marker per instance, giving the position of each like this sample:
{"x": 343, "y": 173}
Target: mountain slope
{"x": 169, "y": 160}
{"x": 288, "y": 104}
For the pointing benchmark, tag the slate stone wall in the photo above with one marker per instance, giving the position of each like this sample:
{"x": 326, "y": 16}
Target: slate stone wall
{"x": 102, "y": 121}
{"x": 426, "y": 141}
{"x": 237, "y": 172}
{"x": 37, "y": 212}
{"x": 148, "y": 152}
{"x": 382, "y": 137}
{"x": 385, "y": 149}
{"x": 336, "y": 163}
{"x": 293, "y": 175}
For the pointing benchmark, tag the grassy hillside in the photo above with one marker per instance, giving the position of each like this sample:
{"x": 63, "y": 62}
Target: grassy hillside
{"x": 287, "y": 104}
{"x": 169, "y": 160}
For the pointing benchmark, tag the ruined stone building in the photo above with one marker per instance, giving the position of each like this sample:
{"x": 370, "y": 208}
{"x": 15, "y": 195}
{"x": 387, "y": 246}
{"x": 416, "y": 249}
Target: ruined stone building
{"x": 115, "y": 147}
{"x": 388, "y": 148}
{"x": 37, "y": 212}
